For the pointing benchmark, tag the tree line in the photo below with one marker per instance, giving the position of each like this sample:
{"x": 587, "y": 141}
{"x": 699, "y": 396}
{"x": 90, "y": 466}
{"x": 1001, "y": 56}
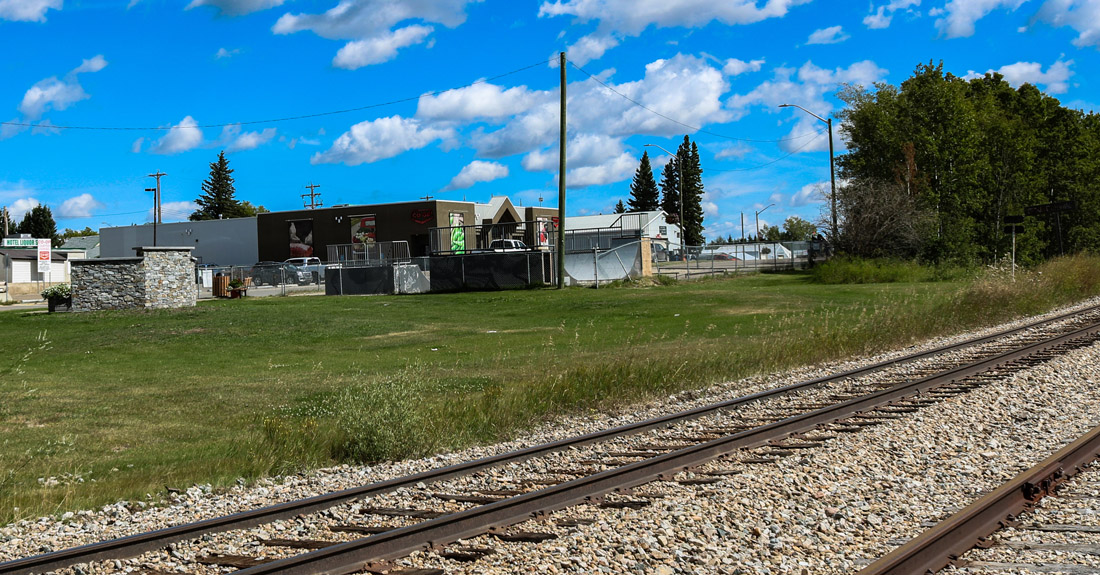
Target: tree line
{"x": 682, "y": 169}
{"x": 936, "y": 165}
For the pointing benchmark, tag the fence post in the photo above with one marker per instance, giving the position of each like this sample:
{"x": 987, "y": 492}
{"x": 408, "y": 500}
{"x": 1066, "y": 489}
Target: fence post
{"x": 596, "y": 264}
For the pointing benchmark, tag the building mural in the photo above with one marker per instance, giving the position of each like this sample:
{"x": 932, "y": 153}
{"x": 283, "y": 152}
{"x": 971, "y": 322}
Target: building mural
{"x": 301, "y": 238}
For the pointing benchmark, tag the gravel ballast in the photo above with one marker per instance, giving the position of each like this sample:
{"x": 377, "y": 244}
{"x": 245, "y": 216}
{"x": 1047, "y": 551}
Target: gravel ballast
{"x": 831, "y": 509}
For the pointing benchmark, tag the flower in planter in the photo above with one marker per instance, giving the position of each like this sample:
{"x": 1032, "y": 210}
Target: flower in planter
{"x": 236, "y": 284}
{"x": 58, "y": 291}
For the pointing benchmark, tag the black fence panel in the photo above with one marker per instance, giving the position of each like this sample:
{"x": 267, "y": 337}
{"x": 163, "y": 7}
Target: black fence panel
{"x": 489, "y": 271}
{"x": 359, "y": 281}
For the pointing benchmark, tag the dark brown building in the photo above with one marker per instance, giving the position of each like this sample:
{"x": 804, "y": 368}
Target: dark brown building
{"x": 299, "y": 233}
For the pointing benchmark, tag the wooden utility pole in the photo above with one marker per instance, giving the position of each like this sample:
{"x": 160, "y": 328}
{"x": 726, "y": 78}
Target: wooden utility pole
{"x": 156, "y": 203}
{"x": 314, "y": 203}
{"x": 561, "y": 182}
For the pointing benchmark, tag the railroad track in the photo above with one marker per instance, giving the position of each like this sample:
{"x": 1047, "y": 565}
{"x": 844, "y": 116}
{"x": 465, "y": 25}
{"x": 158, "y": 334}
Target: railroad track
{"x": 1007, "y": 509}
{"x": 600, "y": 468}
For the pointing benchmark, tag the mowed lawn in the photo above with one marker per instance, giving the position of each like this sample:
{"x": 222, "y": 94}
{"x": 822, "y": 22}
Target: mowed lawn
{"x": 96, "y": 407}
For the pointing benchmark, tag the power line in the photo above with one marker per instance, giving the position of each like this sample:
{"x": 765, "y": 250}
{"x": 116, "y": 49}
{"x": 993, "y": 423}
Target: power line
{"x": 283, "y": 119}
{"x": 678, "y": 122}
{"x": 764, "y": 165}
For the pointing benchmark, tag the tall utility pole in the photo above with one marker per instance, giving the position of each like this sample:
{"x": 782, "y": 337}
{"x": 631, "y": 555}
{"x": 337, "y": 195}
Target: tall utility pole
{"x": 561, "y": 182}
{"x": 4, "y": 216}
{"x": 832, "y": 171}
{"x": 314, "y": 203}
{"x": 156, "y": 203}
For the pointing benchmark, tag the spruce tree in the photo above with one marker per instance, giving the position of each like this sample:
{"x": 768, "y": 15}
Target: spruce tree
{"x": 620, "y": 208}
{"x": 693, "y": 192}
{"x": 38, "y": 223}
{"x": 217, "y": 199}
{"x": 670, "y": 190}
{"x": 643, "y": 190}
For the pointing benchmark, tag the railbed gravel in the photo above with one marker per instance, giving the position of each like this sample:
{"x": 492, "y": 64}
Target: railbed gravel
{"x": 824, "y": 510}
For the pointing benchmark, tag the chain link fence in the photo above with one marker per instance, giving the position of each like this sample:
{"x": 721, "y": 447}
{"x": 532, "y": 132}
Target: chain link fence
{"x": 739, "y": 257}
{"x": 262, "y": 279}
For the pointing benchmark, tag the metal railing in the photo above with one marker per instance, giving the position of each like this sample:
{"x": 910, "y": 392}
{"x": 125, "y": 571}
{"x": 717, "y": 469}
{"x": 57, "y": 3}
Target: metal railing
{"x": 369, "y": 255}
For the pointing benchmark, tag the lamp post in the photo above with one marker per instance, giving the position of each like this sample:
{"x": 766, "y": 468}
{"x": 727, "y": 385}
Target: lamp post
{"x": 680, "y": 176}
{"x": 832, "y": 172}
{"x": 758, "y": 212}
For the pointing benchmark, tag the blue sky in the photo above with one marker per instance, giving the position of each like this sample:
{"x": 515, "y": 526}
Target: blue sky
{"x": 387, "y": 100}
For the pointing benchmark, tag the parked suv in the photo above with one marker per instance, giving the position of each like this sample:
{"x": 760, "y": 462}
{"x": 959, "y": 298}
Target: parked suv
{"x": 312, "y": 266}
{"x": 507, "y": 246}
{"x": 275, "y": 273}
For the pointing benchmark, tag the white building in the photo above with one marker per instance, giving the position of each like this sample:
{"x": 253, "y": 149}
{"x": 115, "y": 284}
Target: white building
{"x": 652, "y": 225}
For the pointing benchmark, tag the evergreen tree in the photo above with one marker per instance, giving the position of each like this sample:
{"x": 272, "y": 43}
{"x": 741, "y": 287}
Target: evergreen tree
{"x": 643, "y": 190}
{"x": 38, "y": 223}
{"x": 217, "y": 200}
{"x": 670, "y": 190}
{"x": 620, "y": 208}
{"x": 687, "y": 157}
{"x": 693, "y": 192}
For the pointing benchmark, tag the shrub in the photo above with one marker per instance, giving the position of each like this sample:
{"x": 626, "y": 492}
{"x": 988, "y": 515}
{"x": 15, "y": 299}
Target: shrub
{"x": 57, "y": 291}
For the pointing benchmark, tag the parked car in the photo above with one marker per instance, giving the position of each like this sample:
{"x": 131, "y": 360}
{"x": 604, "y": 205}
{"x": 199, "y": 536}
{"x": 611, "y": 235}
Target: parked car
{"x": 276, "y": 273}
{"x": 660, "y": 253}
{"x": 507, "y": 246}
{"x": 312, "y": 266}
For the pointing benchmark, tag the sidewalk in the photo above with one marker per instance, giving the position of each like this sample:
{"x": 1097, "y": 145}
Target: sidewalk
{"x": 24, "y": 305}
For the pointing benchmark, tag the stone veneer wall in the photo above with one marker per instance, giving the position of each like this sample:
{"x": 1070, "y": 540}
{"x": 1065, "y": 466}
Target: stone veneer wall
{"x": 169, "y": 277}
{"x": 161, "y": 277}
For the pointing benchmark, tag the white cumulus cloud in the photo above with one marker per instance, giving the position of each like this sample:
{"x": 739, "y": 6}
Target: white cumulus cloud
{"x": 479, "y": 101}
{"x": 806, "y": 87}
{"x": 614, "y": 170}
{"x": 882, "y": 17}
{"x": 80, "y": 206}
{"x": 1055, "y": 79}
{"x": 1081, "y": 15}
{"x": 369, "y": 24}
{"x": 173, "y": 211}
{"x": 52, "y": 93}
{"x": 379, "y": 139}
{"x": 381, "y": 48}
{"x": 735, "y": 67}
{"x": 236, "y": 7}
{"x": 19, "y": 207}
{"x": 830, "y": 35}
{"x": 235, "y": 141}
{"x": 27, "y": 10}
{"x": 182, "y": 137}
{"x": 617, "y": 18}
{"x": 959, "y": 16}
{"x": 682, "y": 87}
{"x": 475, "y": 172}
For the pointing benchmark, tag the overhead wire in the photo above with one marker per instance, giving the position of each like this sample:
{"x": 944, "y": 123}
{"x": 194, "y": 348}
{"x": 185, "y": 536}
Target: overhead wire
{"x": 678, "y": 122}
{"x": 283, "y": 119}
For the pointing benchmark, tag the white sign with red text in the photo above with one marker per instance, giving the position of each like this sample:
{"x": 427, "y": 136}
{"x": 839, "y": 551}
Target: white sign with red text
{"x": 44, "y": 256}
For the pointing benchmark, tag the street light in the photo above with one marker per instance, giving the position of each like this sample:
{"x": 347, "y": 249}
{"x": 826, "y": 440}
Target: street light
{"x": 758, "y": 212}
{"x": 680, "y": 170}
{"x": 832, "y": 173}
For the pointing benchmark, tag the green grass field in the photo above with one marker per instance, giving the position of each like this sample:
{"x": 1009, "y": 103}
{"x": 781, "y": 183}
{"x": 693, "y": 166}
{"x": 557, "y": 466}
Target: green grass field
{"x": 97, "y": 407}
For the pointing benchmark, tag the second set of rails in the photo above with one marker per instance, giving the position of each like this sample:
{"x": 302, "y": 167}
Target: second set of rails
{"x": 465, "y": 500}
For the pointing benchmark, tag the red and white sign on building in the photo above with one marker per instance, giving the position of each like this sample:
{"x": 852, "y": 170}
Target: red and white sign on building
{"x": 44, "y": 256}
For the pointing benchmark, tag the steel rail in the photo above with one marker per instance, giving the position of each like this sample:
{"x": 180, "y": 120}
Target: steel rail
{"x": 941, "y": 545}
{"x": 357, "y": 555}
{"x": 133, "y": 545}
